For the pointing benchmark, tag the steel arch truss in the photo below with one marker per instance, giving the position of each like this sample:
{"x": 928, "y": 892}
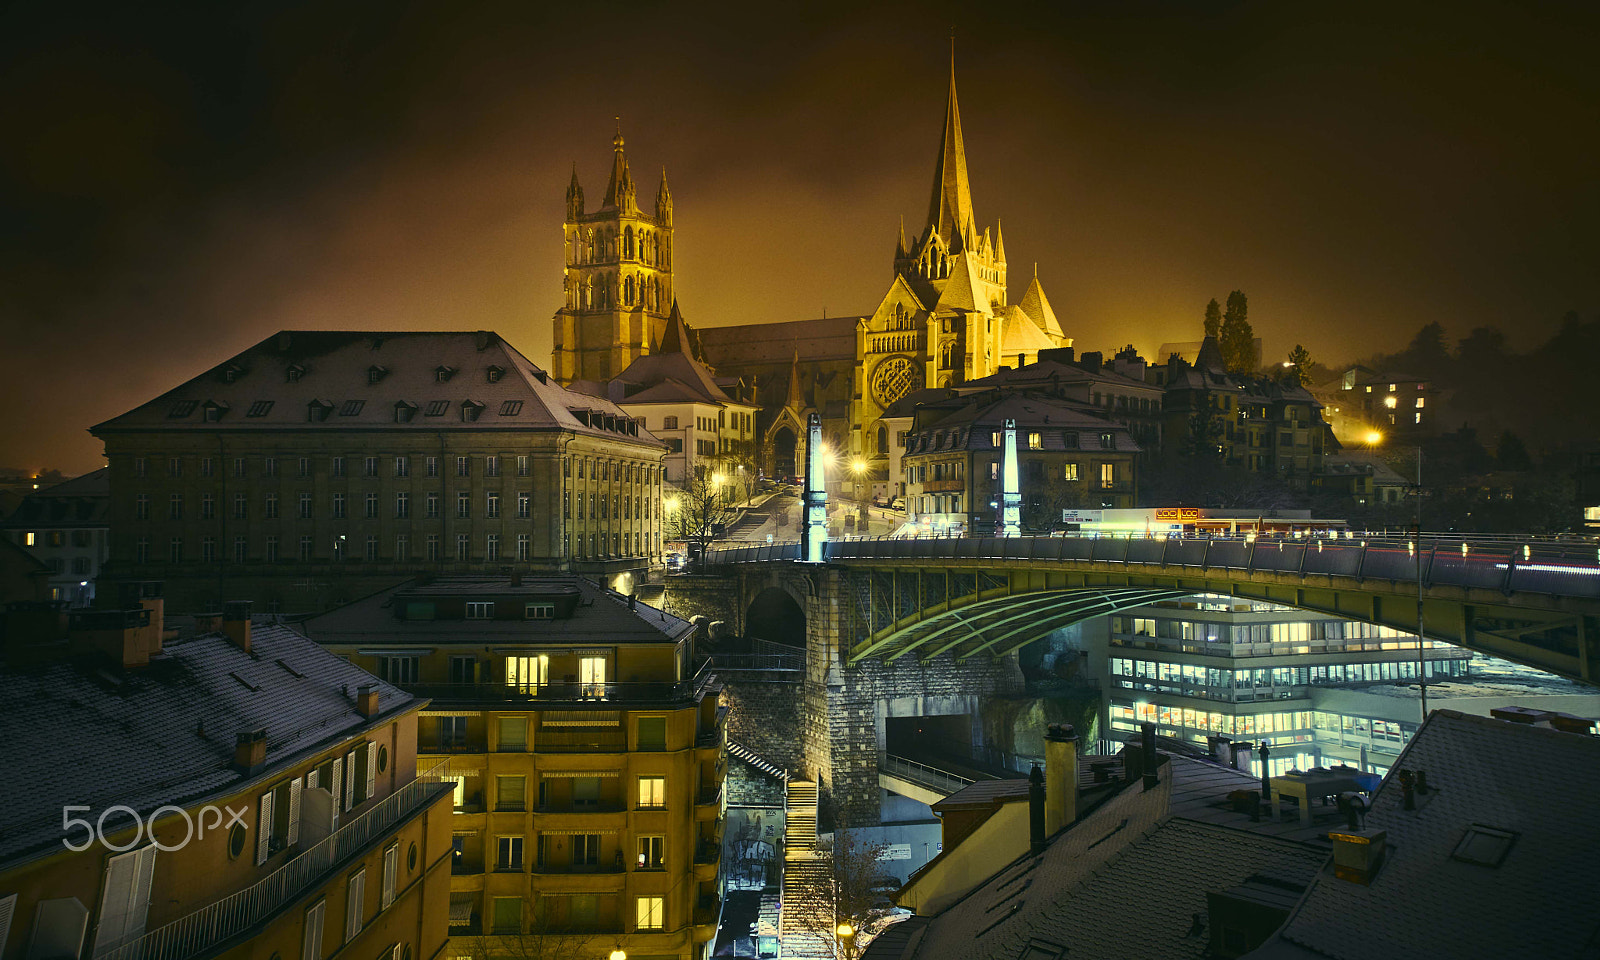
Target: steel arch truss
{"x": 998, "y": 622}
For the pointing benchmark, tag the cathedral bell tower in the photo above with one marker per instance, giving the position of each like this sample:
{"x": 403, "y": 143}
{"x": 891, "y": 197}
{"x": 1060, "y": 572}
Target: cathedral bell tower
{"x": 618, "y": 283}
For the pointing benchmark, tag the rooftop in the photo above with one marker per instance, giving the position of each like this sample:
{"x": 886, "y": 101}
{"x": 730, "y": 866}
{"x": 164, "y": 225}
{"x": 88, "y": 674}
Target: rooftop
{"x": 80, "y": 502}
{"x": 166, "y": 733}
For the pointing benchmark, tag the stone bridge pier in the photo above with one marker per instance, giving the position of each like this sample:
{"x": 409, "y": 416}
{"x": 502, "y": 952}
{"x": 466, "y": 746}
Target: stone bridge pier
{"x": 830, "y": 724}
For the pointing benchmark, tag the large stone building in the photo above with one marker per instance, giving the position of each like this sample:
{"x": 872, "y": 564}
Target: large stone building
{"x": 317, "y": 467}
{"x": 587, "y": 749}
{"x": 947, "y": 317}
{"x": 231, "y": 794}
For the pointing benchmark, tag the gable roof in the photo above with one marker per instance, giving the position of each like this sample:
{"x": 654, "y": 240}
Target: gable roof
{"x": 1537, "y": 783}
{"x": 166, "y": 733}
{"x": 80, "y": 502}
{"x": 273, "y": 385}
{"x": 1019, "y": 334}
{"x": 1037, "y": 306}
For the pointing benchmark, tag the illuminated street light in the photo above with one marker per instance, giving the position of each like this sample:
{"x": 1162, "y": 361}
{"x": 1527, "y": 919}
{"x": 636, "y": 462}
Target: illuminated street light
{"x": 1389, "y": 402}
{"x": 1374, "y": 438}
{"x": 858, "y": 465}
{"x": 618, "y": 954}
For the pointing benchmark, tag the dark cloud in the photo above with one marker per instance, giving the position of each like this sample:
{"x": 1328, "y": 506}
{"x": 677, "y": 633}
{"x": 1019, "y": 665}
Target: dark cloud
{"x": 177, "y": 183}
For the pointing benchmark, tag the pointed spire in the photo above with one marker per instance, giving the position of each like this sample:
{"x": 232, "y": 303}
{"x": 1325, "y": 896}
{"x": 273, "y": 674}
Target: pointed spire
{"x": 797, "y": 397}
{"x": 950, "y": 210}
{"x": 676, "y": 338}
{"x": 1000, "y": 244}
{"x": 663, "y": 200}
{"x": 574, "y": 195}
{"x": 620, "y": 192}
{"x": 902, "y": 250}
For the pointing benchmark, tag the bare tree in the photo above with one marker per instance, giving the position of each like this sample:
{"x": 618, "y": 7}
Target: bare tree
{"x": 699, "y": 511}
{"x": 543, "y": 941}
{"x": 853, "y": 894}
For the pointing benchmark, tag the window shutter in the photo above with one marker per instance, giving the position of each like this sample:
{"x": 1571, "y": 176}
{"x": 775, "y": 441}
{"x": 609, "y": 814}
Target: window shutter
{"x": 8, "y": 907}
{"x": 311, "y": 940}
{"x": 352, "y": 904}
{"x": 311, "y": 778}
{"x": 263, "y": 827}
{"x": 294, "y": 812}
{"x": 337, "y": 789}
{"x": 372, "y": 770}
{"x": 391, "y": 856}
{"x": 116, "y": 900}
{"x": 349, "y": 779}
{"x": 141, "y": 894}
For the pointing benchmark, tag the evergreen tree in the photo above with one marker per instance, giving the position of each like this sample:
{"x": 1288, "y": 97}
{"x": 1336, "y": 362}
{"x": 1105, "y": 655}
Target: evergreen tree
{"x": 1213, "y": 318}
{"x": 1511, "y": 453}
{"x": 1299, "y": 360}
{"x": 1238, "y": 340}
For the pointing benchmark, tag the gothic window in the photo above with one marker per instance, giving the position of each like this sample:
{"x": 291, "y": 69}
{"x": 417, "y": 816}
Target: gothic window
{"x": 883, "y": 439}
{"x": 893, "y": 379}
{"x": 627, "y": 246}
{"x": 627, "y": 291}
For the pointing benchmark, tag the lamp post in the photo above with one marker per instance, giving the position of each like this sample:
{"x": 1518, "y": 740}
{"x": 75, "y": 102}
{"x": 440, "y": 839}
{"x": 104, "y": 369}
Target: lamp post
{"x": 846, "y": 935}
{"x": 858, "y": 466}
{"x": 618, "y": 954}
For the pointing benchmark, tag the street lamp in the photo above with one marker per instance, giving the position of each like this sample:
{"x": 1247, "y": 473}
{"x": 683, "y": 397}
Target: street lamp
{"x": 846, "y": 934}
{"x": 618, "y": 954}
{"x": 1374, "y": 438}
{"x": 858, "y": 466}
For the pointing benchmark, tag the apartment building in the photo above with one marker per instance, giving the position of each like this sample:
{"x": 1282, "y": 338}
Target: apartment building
{"x": 1219, "y": 666}
{"x": 236, "y": 793}
{"x": 317, "y": 467}
{"x": 66, "y": 527}
{"x": 587, "y": 751}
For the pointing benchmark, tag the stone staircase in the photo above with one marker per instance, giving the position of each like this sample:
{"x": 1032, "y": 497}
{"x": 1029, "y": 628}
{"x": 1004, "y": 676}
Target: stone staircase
{"x": 737, "y": 749}
{"x": 806, "y": 899}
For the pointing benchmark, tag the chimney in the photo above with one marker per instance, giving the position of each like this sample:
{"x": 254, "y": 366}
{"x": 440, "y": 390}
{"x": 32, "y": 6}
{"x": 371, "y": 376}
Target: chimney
{"x": 367, "y": 700}
{"x": 1266, "y": 785}
{"x": 1217, "y": 748}
{"x": 1241, "y": 755}
{"x": 1357, "y": 854}
{"x": 633, "y": 600}
{"x": 210, "y": 622}
{"x": 1036, "y": 832}
{"x": 1147, "y": 733}
{"x": 236, "y": 623}
{"x": 250, "y": 751}
{"x": 146, "y": 595}
{"x": 485, "y": 339}
{"x": 1060, "y": 777}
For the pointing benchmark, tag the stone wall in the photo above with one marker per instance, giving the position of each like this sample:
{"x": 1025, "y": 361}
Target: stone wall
{"x": 766, "y": 718}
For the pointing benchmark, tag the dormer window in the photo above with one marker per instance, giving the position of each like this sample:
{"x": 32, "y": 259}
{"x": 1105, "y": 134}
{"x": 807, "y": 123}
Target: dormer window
{"x": 437, "y": 408}
{"x": 214, "y": 411}
{"x": 404, "y": 411}
{"x": 351, "y": 408}
{"x": 376, "y": 373}
{"x": 294, "y": 373}
{"x": 260, "y": 408}
{"x": 495, "y": 373}
{"x": 470, "y": 410}
{"x": 442, "y": 373}
{"x": 182, "y": 408}
{"x": 318, "y": 410}
{"x": 231, "y": 372}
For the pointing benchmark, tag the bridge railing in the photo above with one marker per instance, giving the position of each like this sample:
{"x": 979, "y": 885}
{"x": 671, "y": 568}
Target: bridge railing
{"x": 920, "y": 773}
{"x": 1556, "y": 566}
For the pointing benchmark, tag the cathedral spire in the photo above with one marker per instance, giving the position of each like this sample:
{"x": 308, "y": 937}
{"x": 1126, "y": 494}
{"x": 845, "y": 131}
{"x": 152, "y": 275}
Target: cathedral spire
{"x": 797, "y": 397}
{"x": 663, "y": 200}
{"x": 574, "y": 195}
{"x": 950, "y": 211}
{"x": 999, "y": 242}
{"x": 620, "y": 192}
{"x": 902, "y": 249}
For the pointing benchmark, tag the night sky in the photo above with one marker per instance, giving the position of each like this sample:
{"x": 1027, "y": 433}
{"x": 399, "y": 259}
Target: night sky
{"x": 176, "y": 184}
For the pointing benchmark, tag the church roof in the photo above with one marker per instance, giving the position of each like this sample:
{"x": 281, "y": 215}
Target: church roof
{"x": 620, "y": 191}
{"x": 1037, "y": 306}
{"x": 950, "y": 210}
{"x": 1019, "y": 334}
{"x": 960, "y": 292}
{"x": 673, "y": 374}
{"x": 830, "y": 338}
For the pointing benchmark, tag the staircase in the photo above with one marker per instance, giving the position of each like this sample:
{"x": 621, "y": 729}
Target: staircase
{"x": 736, "y": 749}
{"x": 806, "y": 899}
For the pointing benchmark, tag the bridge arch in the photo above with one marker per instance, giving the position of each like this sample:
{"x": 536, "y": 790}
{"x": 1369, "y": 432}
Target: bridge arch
{"x": 775, "y": 614}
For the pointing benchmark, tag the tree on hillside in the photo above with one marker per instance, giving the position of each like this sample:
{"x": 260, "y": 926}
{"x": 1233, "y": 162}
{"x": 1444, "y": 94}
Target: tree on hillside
{"x": 1510, "y": 453}
{"x": 1238, "y": 340}
{"x": 1213, "y": 318}
{"x": 1427, "y": 355}
{"x": 1299, "y": 364}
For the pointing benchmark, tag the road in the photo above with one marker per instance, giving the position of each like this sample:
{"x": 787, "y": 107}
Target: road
{"x": 778, "y": 516}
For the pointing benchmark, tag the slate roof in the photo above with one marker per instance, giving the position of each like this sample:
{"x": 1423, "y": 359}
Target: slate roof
{"x": 830, "y": 338}
{"x": 1047, "y": 372}
{"x": 333, "y": 368}
{"x": 979, "y": 418}
{"x": 1126, "y": 880}
{"x": 166, "y": 733}
{"x": 80, "y": 502}
{"x": 1538, "y": 783}
{"x": 602, "y": 617}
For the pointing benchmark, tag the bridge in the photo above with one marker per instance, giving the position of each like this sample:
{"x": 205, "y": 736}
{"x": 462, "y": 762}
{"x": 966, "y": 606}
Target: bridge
{"x": 1532, "y": 601}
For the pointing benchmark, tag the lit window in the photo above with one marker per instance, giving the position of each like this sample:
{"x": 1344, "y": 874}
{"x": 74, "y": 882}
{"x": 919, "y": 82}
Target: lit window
{"x": 652, "y": 793}
{"x": 651, "y": 913}
{"x": 1035, "y": 441}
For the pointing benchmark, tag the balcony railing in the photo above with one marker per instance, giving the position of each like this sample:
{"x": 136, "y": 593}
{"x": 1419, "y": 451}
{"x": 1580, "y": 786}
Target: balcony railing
{"x": 214, "y": 925}
{"x": 567, "y": 691}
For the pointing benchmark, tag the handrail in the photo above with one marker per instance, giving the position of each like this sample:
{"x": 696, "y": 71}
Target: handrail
{"x": 219, "y": 922}
{"x": 561, "y": 691}
{"x": 921, "y": 773}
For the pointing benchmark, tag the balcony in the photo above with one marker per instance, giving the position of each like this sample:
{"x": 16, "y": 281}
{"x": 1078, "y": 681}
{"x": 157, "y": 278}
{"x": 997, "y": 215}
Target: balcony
{"x": 567, "y": 692}
{"x": 206, "y": 929}
{"x": 571, "y": 868}
{"x": 581, "y": 740}
{"x": 944, "y": 486}
{"x": 708, "y": 805}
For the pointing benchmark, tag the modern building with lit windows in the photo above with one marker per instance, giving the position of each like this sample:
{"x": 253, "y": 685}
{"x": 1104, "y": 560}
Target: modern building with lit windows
{"x": 1220, "y": 666}
{"x": 587, "y": 750}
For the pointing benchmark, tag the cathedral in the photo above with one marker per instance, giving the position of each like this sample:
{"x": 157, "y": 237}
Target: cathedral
{"x": 945, "y": 319}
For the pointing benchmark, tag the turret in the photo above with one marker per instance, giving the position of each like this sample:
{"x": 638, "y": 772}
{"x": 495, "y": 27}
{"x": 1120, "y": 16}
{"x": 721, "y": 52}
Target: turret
{"x": 620, "y": 192}
{"x": 574, "y": 195}
{"x": 664, "y": 201}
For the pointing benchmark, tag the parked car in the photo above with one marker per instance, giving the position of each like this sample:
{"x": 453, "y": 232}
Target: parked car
{"x": 898, "y": 503}
{"x": 880, "y": 501}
